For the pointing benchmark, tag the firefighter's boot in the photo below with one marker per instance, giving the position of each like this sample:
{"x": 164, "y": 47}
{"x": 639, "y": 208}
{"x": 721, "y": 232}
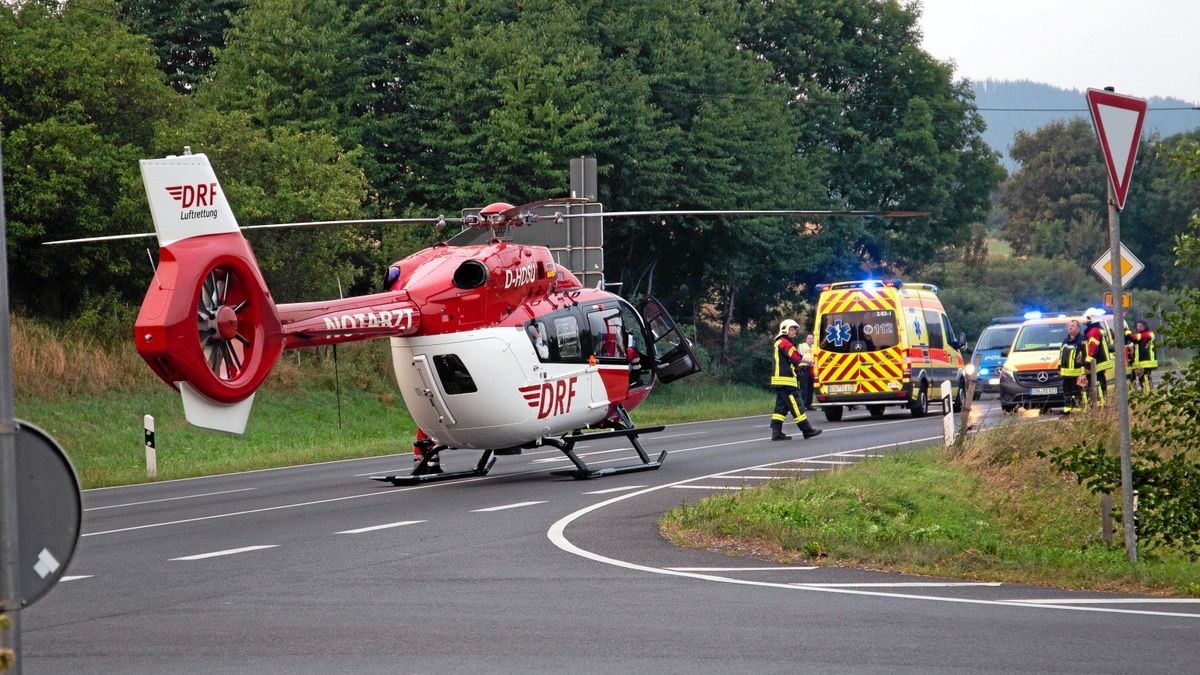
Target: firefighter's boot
{"x": 777, "y": 432}
{"x": 808, "y": 429}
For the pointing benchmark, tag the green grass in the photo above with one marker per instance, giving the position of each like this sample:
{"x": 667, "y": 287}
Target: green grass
{"x": 924, "y": 513}
{"x": 103, "y": 435}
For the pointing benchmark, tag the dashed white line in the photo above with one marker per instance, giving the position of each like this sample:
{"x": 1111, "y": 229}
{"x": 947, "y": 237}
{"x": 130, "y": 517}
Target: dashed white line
{"x": 168, "y": 499}
{"x": 232, "y": 551}
{"x": 705, "y": 487}
{"x": 750, "y": 477}
{"x": 385, "y": 526}
{"x": 825, "y": 461}
{"x": 506, "y": 506}
{"x": 76, "y": 577}
{"x": 616, "y": 489}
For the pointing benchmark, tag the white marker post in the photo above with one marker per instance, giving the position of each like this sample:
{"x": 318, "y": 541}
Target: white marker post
{"x": 151, "y": 453}
{"x": 947, "y": 414}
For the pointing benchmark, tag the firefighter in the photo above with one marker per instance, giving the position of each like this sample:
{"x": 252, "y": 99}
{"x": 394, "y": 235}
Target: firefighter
{"x": 804, "y": 372}
{"x": 1072, "y": 356}
{"x": 784, "y": 360}
{"x": 1145, "y": 357}
{"x": 1099, "y": 351}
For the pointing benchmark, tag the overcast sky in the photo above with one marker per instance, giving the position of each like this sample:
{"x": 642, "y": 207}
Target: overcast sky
{"x": 1143, "y": 48}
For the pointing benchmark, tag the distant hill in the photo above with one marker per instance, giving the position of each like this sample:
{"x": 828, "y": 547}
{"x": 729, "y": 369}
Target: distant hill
{"x": 1010, "y": 106}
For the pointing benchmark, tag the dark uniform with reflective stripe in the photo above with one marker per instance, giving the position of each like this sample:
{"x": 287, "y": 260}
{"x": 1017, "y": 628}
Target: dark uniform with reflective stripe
{"x": 1099, "y": 351}
{"x": 1145, "y": 357}
{"x": 785, "y": 357}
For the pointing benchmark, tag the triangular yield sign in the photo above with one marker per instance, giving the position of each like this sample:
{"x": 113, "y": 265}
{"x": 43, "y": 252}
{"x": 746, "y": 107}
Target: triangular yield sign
{"x": 1118, "y": 121}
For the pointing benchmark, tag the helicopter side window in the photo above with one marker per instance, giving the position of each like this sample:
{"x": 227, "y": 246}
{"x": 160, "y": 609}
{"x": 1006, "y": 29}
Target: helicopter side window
{"x": 566, "y": 338}
{"x": 456, "y": 379}
{"x": 536, "y": 330}
{"x": 608, "y": 338}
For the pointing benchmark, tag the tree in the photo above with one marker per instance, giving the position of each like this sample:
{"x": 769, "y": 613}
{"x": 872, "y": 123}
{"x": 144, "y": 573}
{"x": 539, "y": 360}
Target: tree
{"x": 185, "y": 34}
{"x": 893, "y": 127}
{"x": 79, "y": 96}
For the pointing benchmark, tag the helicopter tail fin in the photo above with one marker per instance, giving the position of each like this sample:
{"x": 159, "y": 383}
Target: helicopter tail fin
{"x": 208, "y": 326}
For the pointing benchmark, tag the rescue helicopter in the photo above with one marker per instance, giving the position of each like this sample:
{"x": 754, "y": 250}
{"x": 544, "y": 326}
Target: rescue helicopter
{"x": 494, "y": 347}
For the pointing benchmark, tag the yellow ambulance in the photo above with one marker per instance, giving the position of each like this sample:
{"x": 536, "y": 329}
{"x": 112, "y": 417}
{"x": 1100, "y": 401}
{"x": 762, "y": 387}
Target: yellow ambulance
{"x": 884, "y": 343}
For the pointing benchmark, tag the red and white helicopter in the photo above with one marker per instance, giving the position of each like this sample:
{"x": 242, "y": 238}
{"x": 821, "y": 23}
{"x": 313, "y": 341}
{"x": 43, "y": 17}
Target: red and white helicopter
{"x": 494, "y": 346}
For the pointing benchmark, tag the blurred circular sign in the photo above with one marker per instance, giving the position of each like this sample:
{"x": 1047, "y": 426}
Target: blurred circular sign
{"x": 49, "y": 513}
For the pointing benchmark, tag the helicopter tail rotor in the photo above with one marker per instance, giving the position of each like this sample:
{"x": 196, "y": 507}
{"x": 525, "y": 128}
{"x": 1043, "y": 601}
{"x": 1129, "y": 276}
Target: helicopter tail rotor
{"x": 208, "y": 325}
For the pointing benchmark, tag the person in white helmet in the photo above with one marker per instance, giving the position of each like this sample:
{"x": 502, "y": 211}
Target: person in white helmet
{"x": 1099, "y": 351}
{"x": 785, "y": 357}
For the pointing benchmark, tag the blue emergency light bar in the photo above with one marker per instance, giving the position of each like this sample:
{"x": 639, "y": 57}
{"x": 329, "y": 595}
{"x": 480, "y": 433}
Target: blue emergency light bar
{"x": 862, "y": 283}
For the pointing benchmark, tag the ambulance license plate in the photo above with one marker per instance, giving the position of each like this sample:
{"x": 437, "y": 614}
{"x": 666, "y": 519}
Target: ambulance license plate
{"x": 839, "y": 389}
{"x": 1043, "y": 391}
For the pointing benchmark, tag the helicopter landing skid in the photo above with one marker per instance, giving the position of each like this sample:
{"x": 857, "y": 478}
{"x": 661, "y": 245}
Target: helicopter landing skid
{"x": 423, "y": 474}
{"x": 582, "y": 472}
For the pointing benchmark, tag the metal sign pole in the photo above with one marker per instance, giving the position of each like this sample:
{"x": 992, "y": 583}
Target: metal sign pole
{"x": 1122, "y": 386}
{"x": 9, "y": 553}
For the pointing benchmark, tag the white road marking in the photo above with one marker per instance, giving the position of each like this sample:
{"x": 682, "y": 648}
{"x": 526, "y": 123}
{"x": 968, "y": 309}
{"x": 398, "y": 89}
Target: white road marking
{"x": 705, "y": 487}
{"x": 749, "y": 477}
{"x": 901, "y": 584}
{"x": 385, "y": 526}
{"x": 824, "y": 461}
{"x": 738, "y": 569}
{"x": 76, "y": 577}
{"x": 168, "y": 499}
{"x": 232, "y": 551}
{"x": 616, "y": 489}
{"x": 506, "y": 506}
{"x": 783, "y": 468}
{"x": 564, "y": 458}
{"x": 556, "y": 534}
{"x": 240, "y": 473}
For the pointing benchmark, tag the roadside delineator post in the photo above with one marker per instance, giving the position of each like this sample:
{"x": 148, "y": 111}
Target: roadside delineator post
{"x": 947, "y": 414}
{"x": 151, "y": 453}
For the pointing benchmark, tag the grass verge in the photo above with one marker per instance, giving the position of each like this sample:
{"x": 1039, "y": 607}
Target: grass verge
{"x": 994, "y": 511}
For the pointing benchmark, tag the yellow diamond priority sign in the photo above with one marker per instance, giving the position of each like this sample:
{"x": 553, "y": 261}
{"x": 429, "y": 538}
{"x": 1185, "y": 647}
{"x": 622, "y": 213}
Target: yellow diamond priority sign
{"x": 1130, "y": 266}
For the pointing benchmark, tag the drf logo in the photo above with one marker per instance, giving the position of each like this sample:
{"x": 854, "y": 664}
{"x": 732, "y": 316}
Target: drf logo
{"x": 838, "y": 333}
{"x": 188, "y": 196}
{"x": 550, "y": 398}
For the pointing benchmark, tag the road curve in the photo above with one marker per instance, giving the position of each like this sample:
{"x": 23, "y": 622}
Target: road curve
{"x": 317, "y": 569}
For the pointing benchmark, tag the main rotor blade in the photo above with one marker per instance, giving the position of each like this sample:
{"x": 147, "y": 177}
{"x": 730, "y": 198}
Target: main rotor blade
{"x": 314, "y": 223}
{"x": 780, "y": 212}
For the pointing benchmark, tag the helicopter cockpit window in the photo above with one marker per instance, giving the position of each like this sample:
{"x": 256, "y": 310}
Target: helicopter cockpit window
{"x": 454, "y": 375}
{"x": 608, "y": 338}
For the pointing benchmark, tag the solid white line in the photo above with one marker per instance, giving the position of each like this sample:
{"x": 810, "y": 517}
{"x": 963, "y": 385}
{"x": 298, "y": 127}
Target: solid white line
{"x": 749, "y": 477}
{"x": 506, "y": 506}
{"x": 902, "y": 584}
{"x": 556, "y": 534}
{"x": 231, "y": 551}
{"x": 564, "y": 458}
{"x": 617, "y": 489}
{"x": 380, "y": 527}
{"x": 705, "y": 487}
{"x": 738, "y": 569}
{"x": 168, "y": 499}
{"x": 241, "y": 473}
{"x": 78, "y": 576}
{"x": 823, "y": 461}
{"x": 784, "y": 468}
{"x": 1113, "y": 601}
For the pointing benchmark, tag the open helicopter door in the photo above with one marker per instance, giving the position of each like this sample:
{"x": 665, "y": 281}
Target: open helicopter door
{"x": 673, "y": 357}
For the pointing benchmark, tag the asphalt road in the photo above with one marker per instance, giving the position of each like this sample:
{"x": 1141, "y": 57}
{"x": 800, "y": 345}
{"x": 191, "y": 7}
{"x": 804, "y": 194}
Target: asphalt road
{"x": 318, "y": 569}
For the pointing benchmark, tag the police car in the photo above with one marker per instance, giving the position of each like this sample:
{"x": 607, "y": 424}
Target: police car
{"x": 989, "y": 354}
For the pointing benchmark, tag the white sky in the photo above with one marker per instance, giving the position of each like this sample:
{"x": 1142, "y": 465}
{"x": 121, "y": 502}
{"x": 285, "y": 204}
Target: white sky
{"x": 1142, "y": 47}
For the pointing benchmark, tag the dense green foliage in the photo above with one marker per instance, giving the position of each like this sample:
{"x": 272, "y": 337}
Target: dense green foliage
{"x": 353, "y": 108}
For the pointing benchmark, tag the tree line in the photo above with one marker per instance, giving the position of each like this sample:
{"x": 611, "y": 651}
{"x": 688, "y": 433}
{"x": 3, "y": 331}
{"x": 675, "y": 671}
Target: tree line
{"x": 335, "y": 109}
{"x": 372, "y": 108}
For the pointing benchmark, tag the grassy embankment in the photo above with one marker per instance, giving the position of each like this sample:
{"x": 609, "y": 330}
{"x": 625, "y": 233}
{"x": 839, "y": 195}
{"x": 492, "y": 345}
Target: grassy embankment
{"x": 992, "y": 511}
{"x": 92, "y": 399}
